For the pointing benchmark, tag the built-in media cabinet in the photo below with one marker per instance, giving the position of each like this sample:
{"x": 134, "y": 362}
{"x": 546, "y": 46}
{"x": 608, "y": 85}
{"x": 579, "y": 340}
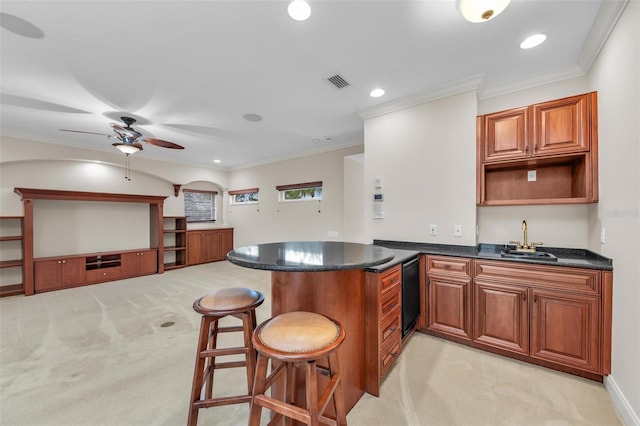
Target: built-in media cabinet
{"x": 56, "y": 272}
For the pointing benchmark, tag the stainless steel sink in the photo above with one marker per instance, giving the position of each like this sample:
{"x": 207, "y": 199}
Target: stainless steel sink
{"x": 537, "y": 255}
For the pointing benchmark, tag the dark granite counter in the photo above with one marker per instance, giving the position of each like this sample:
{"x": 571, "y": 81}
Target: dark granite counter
{"x": 401, "y": 256}
{"x": 310, "y": 256}
{"x": 574, "y": 258}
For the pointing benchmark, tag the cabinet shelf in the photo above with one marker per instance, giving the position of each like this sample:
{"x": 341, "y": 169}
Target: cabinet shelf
{"x": 11, "y": 238}
{"x": 11, "y": 263}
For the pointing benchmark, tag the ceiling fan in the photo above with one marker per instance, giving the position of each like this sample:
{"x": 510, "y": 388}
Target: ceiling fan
{"x": 129, "y": 138}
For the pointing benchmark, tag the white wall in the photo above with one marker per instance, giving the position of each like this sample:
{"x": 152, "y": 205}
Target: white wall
{"x": 354, "y": 199}
{"x": 615, "y": 75}
{"x": 425, "y": 156}
{"x": 270, "y": 220}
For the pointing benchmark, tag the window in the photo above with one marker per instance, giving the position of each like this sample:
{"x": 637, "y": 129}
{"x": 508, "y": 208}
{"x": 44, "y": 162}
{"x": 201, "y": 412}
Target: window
{"x": 310, "y": 191}
{"x": 200, "y": 206}
{"x": 244, "y": 196}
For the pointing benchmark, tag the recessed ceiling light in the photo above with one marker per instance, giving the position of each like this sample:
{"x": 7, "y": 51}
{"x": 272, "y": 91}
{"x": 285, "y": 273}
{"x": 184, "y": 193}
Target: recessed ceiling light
{"x": 252, "y": 117}
{"x": 376, "y": 93}
{"x": 533, "y": 41}
{"x": 217, "y": 161}
{"x": 299, "y": 10}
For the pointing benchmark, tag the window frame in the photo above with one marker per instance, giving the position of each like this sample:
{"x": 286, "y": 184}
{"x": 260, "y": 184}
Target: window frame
{"x": 233, "y": 196}
{"x": 283, "y": 189}
{"x": 214, "y": 207}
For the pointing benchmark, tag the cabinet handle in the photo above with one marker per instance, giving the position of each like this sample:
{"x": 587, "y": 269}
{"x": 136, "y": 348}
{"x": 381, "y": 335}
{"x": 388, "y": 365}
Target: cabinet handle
{"x": 535, "y": 148}
{"x": 526, "y": 148}
{"x": 535, "y": 298}
{"x": 394, "y": 280}
{"x": 524, "y": 296}
{"x": 64, "y": 261}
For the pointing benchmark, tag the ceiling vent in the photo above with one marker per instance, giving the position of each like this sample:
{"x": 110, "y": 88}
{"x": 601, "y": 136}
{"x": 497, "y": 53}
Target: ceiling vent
{"x": 338, "y": 81}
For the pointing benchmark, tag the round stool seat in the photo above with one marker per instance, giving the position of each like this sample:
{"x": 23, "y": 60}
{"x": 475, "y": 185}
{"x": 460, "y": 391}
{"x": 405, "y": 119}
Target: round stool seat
{"x": 299, "y": 333}
{"x": 228, "y": 300}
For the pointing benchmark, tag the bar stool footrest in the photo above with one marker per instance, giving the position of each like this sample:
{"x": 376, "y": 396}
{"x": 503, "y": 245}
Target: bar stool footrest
{"x": 225, "y": 400}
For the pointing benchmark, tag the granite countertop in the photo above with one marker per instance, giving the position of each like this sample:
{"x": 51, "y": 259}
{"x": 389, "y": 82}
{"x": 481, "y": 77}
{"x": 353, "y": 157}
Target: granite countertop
{"x": 401, "y": 256}
{"x": 310, "y": 256}
{"x": 574, "y": 258}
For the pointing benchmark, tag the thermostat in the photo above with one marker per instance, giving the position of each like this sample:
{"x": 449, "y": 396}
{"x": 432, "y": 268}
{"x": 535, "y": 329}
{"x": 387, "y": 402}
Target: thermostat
{"x": 378, "y": 197}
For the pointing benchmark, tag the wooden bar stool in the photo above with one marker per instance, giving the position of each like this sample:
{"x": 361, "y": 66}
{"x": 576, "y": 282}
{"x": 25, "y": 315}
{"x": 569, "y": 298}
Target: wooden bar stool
{"x": 237, "y": 302}
{"x": 292, "y": 340}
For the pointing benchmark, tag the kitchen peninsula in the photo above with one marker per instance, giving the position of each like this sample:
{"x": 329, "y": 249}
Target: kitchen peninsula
{"x": 326, "y": 278}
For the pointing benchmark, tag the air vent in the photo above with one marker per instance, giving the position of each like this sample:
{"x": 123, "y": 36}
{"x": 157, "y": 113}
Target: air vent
{"x": 338, "y": 81}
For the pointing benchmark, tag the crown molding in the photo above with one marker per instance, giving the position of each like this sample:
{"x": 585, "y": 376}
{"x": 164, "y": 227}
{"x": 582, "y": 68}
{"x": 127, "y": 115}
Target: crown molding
{"x": 607, "y": 18}
{"x": 460, "y": 86}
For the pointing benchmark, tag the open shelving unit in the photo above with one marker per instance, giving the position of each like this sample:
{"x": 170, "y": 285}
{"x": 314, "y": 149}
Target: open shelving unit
{"x": 175, "y": 242}
{"x": 12, "y": 244}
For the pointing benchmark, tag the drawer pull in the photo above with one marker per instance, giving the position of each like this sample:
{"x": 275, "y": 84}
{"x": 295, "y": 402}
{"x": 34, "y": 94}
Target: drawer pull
{"x": 394, "y": 280}
{"x": 524, "y": 296}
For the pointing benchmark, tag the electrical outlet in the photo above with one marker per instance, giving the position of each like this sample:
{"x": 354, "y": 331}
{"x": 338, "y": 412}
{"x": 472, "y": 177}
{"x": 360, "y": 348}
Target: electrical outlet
{"x": 433, "y": 230}
{"x": 602, "y": 235}
{"x": 457, "y": 231}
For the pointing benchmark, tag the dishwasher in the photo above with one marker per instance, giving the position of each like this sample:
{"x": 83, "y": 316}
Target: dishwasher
{"x": 410, "y": 295}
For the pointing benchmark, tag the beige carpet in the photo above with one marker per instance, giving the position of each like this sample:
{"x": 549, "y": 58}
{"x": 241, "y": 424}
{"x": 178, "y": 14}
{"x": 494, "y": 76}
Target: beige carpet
{"x": 97, "y": 355}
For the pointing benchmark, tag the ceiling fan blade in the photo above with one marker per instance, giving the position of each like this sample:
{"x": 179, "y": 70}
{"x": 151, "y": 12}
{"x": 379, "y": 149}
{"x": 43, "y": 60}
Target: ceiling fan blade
{"x": 80, "y": 131}
{"x": 125, "y": 132}
{"x": 163, "y": 144}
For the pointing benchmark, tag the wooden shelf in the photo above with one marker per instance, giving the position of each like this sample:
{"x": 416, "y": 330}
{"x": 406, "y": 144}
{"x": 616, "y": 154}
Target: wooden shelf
{"x": 16, "y": 230}
{"x": 11, "y": 263}
{"x": 175, "y": 228}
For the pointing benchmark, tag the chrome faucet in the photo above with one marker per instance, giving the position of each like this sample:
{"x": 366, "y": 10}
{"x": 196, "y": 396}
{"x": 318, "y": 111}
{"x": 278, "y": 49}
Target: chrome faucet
{"x": 525, "y": 246}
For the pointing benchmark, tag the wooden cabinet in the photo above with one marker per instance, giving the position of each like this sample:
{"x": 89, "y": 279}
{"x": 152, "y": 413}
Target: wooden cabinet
{"x": 58, "y": 273}
{"x": 208, "y": 245}
{"x": 142, "y": 262}
{"x": 383, "y": 327}
{"x": 540, "y": 154}
{"x": 175, "y": 241}
{"x": 551, "y": 314}
{"x": 11, "y": 257}
{"x": 448, "y": 295}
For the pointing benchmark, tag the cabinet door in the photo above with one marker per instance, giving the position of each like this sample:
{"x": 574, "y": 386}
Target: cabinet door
{"x": 47, "y": 275}
{"x": 130, "y": 264}
{"x": 449, "y": 305}
{"x": 505, "y": 135}
{"x": 560, "y": 126}
{"x": 148, "y": 262}
{"x": 226, "y": 243}
{"x": 501, "y": 316}
{"x": 211, "y": 246}
{"x": 565, "y": 329}
{"x": 72, "y": 272}
{"x": 195, "y": 247}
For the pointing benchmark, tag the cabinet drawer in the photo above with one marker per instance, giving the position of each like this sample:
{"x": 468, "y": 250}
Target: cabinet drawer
{"x": 390, "y": 329}
{"x": 540, "y": 276}
{"x": 103, "y": 274}
{"x": 449, "y": 265}
{"x": 390, "y": 304}
{"x": 390, "y": 279}
{"x": 389, "y": 356}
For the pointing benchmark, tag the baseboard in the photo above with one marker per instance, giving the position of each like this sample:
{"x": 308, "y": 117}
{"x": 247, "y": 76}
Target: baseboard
{"x": 625, "y": 411}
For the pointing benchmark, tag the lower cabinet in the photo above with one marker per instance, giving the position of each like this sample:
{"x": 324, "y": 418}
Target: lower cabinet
{"x": 555, "y": 316}
{"x": 383, "y": 326}
{"x": 208, "y": 245}
{"x": 58, "y": 273}
{"x": 551, "y": 314}
{"x": 55, "y": 273}
{"x": 449, "y": 296}
{"x": 143, "y": 262}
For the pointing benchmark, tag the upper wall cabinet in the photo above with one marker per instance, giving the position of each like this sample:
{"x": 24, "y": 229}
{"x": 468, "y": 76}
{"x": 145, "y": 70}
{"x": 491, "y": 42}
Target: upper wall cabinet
{"x": 539, "y": 154}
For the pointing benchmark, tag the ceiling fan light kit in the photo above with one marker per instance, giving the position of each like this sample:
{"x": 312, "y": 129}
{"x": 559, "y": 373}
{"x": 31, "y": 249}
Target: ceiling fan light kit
{"x": 481, "y": 10}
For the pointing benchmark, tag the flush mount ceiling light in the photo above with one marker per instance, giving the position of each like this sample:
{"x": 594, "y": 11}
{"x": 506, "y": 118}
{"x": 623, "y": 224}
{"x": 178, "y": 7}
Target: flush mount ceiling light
{"x": 376, "y": 93}
{"x": 299, "y": 10}
{"x": 533, "y": 41}
{"x": 481, "y": 10}
{"x": 252, "y": 117}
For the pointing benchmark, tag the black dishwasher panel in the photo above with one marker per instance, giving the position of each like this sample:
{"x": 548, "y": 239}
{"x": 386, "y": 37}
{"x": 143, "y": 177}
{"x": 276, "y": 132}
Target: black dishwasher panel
{"x": 410, "y": 295}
